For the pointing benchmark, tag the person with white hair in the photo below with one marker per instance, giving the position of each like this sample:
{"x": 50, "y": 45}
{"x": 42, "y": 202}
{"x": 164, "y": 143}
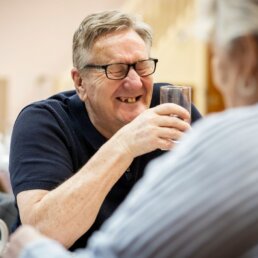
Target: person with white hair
{"x": 202, "y": 200}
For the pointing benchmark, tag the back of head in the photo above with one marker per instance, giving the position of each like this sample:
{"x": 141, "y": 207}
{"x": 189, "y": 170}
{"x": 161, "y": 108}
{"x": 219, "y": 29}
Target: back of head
{"x": 222, "y": 21}
{"x": 232, "y": 28}
{"x": 100, "y": 24}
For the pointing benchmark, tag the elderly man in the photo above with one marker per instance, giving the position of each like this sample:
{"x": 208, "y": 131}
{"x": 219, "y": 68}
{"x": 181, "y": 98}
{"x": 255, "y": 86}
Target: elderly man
{"x": 75, "y": 156}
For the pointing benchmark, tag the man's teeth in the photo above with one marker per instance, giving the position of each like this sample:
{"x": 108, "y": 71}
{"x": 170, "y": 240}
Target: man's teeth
{"x": 128, "y": 100}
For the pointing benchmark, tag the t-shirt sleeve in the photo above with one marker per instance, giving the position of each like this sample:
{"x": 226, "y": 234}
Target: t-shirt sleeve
{"x": 39, "y": 154}
{"x": 195, "y": 114}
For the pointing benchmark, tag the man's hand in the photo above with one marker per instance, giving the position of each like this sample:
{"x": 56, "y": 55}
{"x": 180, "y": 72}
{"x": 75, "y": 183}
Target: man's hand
{"x": 155, "y": 128}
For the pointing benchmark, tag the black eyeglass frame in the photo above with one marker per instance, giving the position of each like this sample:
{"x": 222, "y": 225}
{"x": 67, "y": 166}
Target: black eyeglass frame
{"x": 104, "y": 67}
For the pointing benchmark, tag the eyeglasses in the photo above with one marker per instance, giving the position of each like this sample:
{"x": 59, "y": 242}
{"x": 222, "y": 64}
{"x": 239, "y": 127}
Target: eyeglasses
{"x": 119, "y": 71}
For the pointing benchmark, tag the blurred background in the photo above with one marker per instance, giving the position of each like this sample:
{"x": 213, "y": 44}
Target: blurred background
{"x": 36, "y": 51}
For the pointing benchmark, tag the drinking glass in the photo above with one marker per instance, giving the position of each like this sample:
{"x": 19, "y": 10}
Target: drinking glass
{"x": 180, "y": 95}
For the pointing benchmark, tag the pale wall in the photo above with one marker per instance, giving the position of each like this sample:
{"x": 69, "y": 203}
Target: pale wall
{"x": 35, "y": 45}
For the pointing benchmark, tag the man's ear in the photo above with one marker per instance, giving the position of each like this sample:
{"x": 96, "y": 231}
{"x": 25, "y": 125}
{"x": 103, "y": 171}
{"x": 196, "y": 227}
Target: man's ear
{"x": 78, "y": 84}
{"x": 246, "y": 54}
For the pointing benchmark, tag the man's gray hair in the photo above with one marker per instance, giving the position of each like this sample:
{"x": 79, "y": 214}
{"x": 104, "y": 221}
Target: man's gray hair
{"x": 99, "y": 24}
{"x": 222, "y": 21}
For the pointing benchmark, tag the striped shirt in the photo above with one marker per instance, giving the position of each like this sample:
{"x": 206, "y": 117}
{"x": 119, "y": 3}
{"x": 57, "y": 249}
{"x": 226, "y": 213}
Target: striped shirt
{"x": 199, "y": 200}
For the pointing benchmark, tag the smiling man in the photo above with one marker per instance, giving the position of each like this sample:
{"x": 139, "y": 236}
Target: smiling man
{"x": 117, "y": 95}
{"x": 75, "y": 156}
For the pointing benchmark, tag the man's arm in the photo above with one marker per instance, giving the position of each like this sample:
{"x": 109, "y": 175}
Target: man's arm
{"x": 68, "y": 211}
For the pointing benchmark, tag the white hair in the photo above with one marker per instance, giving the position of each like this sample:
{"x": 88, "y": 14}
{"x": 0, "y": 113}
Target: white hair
{"x": 222, "y": 21}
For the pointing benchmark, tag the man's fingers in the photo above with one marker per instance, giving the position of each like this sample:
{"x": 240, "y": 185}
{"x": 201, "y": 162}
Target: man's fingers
{"x": 173, "y": 122}
{"x": 172, "y": 110}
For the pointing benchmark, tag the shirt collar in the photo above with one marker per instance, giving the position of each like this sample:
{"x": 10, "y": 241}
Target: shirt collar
{"x": 83, "y": 127}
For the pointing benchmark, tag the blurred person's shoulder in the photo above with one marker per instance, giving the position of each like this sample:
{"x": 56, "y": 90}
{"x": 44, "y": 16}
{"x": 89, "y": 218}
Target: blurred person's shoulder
{"x": 233, "y": 116}
{"x": 226, "y": 127}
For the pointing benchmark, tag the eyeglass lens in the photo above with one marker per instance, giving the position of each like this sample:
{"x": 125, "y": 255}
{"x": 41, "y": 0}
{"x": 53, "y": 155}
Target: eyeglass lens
{"x": 119, "y": 71}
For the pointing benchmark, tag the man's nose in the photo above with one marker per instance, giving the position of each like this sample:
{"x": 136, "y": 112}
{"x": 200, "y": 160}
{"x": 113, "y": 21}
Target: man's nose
{"x": 133, "y": 78}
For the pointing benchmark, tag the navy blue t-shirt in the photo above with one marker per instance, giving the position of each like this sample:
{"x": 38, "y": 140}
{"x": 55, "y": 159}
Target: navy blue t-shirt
{"x": 52, "y": 139}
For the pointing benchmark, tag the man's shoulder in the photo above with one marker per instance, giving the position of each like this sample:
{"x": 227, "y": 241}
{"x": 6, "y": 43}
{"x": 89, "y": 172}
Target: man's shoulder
{"x": 48, "y": 111}
{"x": 54, "y": 102}
{"x": 62, "y": 96}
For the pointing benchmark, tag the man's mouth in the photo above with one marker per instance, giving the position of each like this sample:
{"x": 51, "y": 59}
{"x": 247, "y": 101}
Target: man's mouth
{"x": 129, "y": 99}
